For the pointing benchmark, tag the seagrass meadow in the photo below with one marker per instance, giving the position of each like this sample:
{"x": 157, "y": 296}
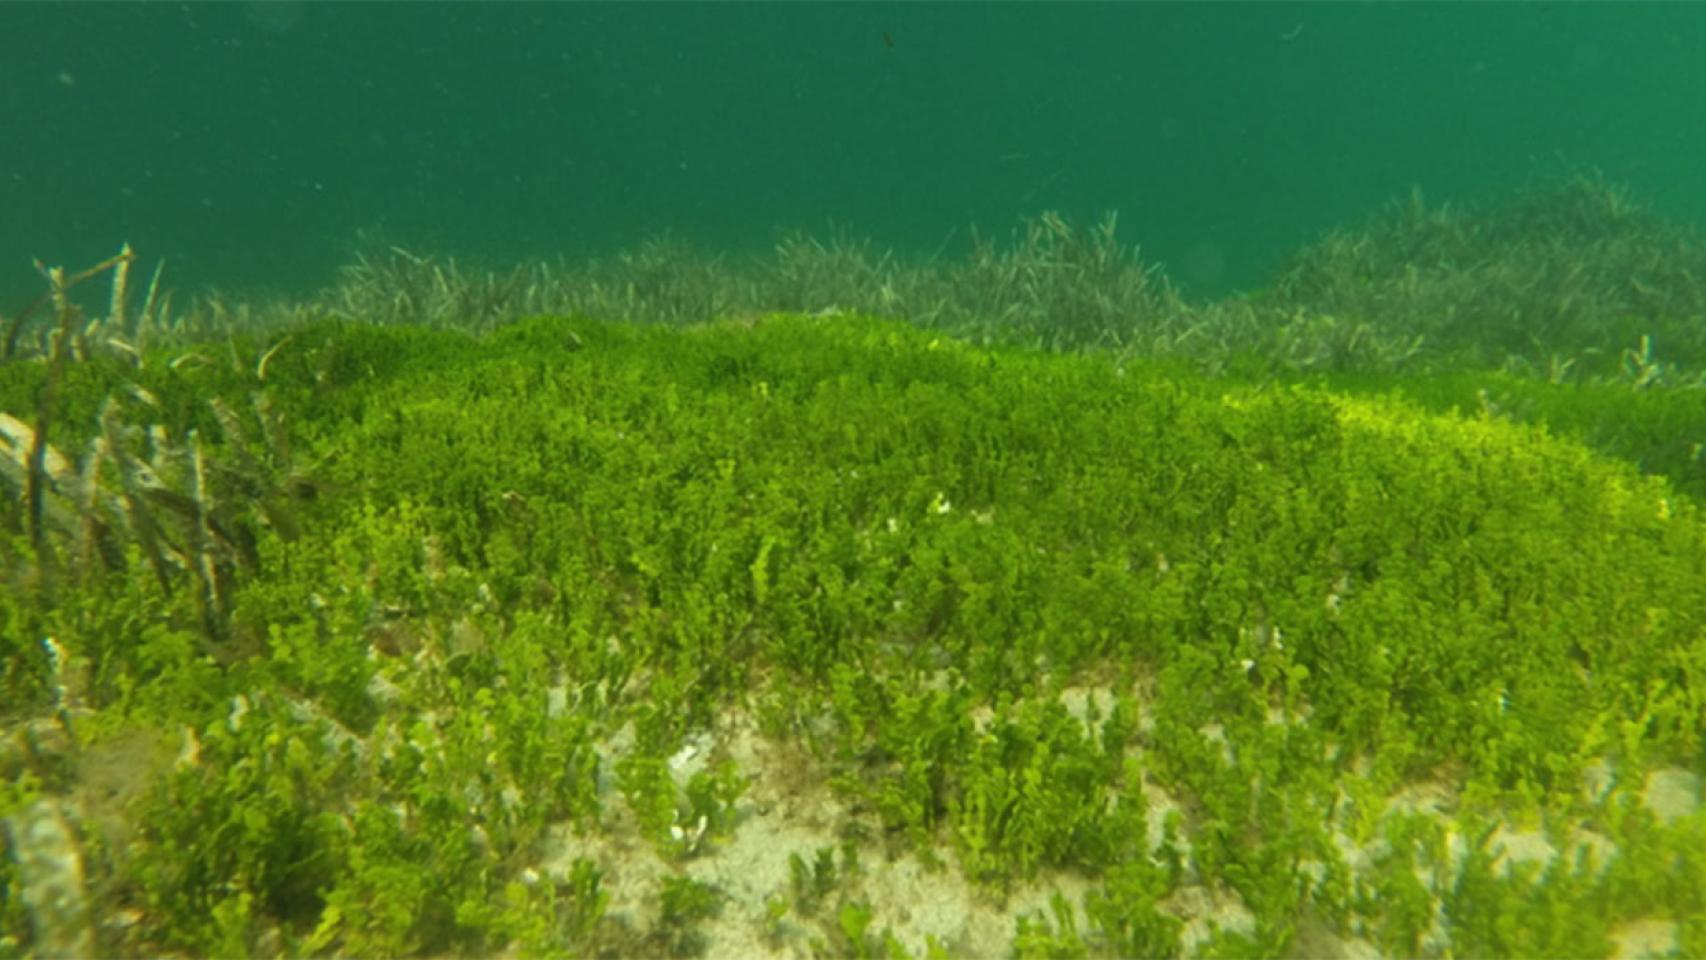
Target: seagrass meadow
{"x": 841, "y": 607}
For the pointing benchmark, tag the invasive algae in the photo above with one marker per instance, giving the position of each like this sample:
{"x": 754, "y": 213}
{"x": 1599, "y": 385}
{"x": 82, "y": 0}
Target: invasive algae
{"x": 1106, "y": 657}
{"x": 335, "y": 628}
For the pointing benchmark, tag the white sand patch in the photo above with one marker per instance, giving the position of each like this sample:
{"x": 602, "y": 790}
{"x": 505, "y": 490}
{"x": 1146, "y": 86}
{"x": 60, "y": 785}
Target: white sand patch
{"x": 1672, "y": 793}
{"x": 1315, "y": 941}
{"x": 1435, "y": 797}
{"x": 1205, "y": 913}
{"x": 1521, "y": 846}
{"x": 1077, "y": 701}
{"x": 1643, "y": 938}
{"x": 796, "y": 813}
{"x": 1533, "y": 846}
{"x": 1597, "y": 780}
{"x": 1157, "y": 804}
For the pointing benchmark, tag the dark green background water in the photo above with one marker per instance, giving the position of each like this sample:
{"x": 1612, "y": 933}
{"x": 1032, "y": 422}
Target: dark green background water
{"x": 249, "y": 143}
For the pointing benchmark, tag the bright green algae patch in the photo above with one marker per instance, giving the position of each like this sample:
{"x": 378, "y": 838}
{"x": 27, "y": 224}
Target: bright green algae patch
{"x": 1030, "y": 617}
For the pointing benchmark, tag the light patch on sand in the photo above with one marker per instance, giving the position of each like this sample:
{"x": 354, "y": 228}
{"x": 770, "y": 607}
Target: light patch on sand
{"x": 1672, "y": 793}
{"x": 1435, "y": 797}
{"x": 789, "y": 808}
{"x": 1077, "y": 702}
{"x": 1207, "y": 912}
{"x": 1597, "y": 780}
{"x": 1644, "y": 938}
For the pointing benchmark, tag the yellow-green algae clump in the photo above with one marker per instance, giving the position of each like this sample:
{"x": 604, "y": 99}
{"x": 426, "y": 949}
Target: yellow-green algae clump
{"x": 1204, "y": 668}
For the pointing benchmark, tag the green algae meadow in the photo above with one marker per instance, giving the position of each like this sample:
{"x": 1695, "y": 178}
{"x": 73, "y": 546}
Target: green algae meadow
{"x": 841, "y": 607}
